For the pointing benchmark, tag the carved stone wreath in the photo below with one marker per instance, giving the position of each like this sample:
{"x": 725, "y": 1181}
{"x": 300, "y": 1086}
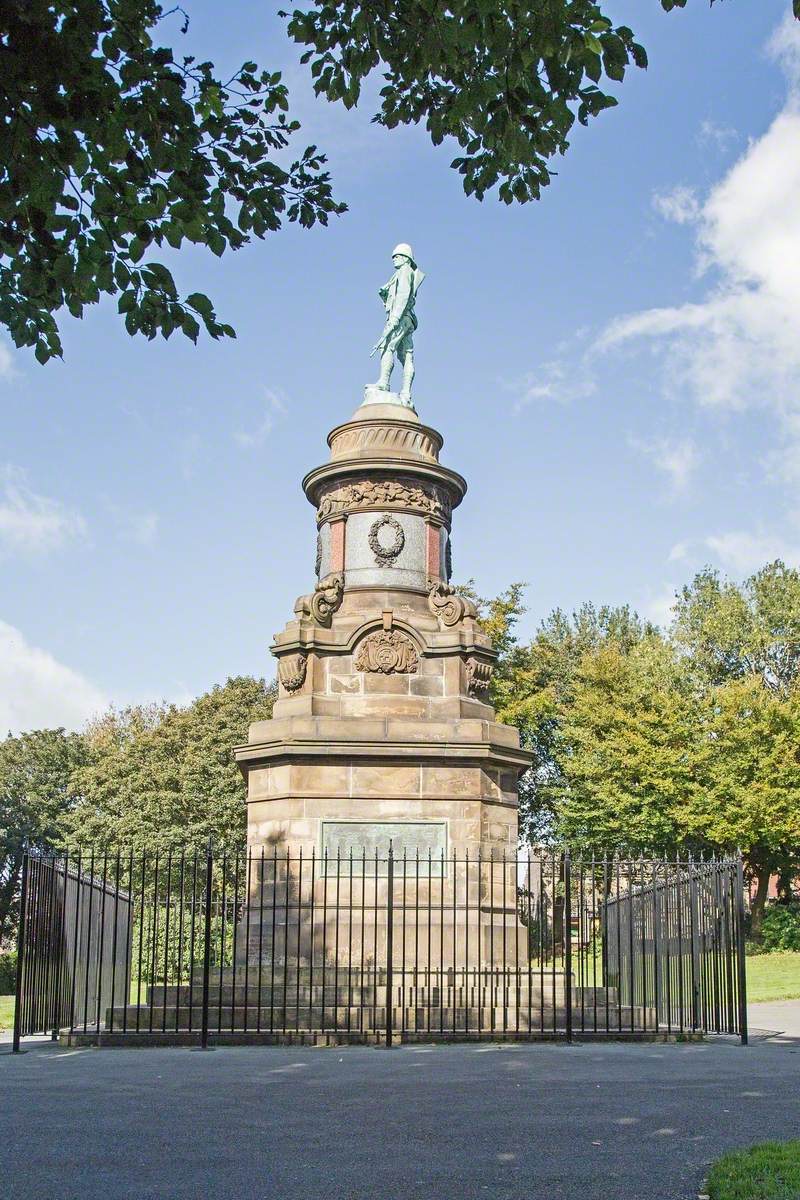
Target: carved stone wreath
{"x": 292, "y": 671}
{"x": 389, "y": 652}
{"x": 386, "y": 555}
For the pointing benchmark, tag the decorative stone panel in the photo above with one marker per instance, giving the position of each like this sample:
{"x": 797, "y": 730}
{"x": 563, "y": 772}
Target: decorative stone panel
{"x": 292, "y": 671}
{"x": 401, "y": 493}
{"x": 387, "y": 651}
{"x": 405, "y": 568}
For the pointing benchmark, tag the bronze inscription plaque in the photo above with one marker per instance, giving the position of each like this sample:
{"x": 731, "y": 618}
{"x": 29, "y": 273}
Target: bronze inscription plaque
{"x": 367, "y": 841}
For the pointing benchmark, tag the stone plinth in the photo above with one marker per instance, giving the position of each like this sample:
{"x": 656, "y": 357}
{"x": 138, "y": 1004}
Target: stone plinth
{"x": 382, "y": 729}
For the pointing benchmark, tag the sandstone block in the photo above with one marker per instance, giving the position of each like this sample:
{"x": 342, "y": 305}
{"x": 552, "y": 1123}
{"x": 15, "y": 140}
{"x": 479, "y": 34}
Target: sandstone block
{"x": 386, "y": 780}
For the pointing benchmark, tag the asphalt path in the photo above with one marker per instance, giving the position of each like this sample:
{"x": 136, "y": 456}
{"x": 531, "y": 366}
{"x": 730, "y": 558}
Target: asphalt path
{"x": 467, "y": 1122}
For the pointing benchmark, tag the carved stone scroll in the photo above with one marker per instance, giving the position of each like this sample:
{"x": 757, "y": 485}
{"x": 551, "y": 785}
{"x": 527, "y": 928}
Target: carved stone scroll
{"x": 327, "y": 598}
{"x": 323, "y": 601}
{"x": 479, "y": 675}
{"x": 292, "y": 670}
{"x": 389, "y": 652}
{"x": 444, "y": 603}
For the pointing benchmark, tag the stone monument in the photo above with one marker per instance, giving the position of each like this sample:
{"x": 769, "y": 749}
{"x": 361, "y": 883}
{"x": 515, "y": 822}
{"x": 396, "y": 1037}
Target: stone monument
{"x": 383, "y": 731}
{"x": 382, "y": 727}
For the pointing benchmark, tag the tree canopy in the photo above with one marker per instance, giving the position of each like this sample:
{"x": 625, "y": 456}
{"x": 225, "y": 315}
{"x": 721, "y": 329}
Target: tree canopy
{"x": 35, "y": 800}
{"x": 112, "y": 146}
{"x": 152, "y": 777}
{"x": 651, "y": 743}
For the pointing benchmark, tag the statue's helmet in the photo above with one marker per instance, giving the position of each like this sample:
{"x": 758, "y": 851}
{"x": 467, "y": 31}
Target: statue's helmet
{"x": 404, "y": 249}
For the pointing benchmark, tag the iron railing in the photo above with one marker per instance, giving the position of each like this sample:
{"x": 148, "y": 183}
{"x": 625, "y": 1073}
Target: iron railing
{"x": 192, "y": 946}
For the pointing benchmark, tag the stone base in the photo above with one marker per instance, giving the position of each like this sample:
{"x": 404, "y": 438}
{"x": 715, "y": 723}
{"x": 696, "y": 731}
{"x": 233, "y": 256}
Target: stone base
{"x": 377, "y": 395}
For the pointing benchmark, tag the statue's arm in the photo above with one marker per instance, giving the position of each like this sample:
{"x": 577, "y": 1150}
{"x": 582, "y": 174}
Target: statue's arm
{"x": 402, "y": 295}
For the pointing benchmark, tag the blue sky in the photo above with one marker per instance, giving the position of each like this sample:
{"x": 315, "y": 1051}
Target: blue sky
{"x": 616, "y": 371}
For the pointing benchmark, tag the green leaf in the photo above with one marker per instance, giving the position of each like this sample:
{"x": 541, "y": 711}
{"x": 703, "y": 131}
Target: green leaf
{"x": 200, "y": 304}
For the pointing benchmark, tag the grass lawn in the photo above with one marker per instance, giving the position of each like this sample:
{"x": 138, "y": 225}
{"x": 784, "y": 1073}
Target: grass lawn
{"x": 6, "y": 1012}
{"x": 773, "y": 976}
{"x": 767, "y": 1172}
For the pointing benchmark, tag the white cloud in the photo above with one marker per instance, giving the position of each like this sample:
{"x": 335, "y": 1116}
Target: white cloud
{"x": 274, "y": 407}
{"x": 31, "y": 522}
{"x": 7, "y": 370}
{"x": 139, "y": 527}
{"x": 738, "y": 347}
{"x": 678, "y": 458}
{"x": 37, "y": 691}
{"x": 658, "y": 606}
{"x": 557, "y": 382}
{"x": 718, "y": 136}
{"x": 679, "y": 552}
{"x": 679, "y": 205}
{"x": 743, "y": 552}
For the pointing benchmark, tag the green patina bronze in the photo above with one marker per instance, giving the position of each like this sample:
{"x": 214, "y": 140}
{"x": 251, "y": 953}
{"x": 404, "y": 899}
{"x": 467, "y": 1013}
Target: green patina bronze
{"x": 399, "y": 298}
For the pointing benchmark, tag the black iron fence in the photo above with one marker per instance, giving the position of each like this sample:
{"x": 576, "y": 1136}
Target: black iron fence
{"x": 272, "y": 946}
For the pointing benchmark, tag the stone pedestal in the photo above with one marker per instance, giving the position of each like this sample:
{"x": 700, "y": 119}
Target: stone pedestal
{"x": 382, "y": 731}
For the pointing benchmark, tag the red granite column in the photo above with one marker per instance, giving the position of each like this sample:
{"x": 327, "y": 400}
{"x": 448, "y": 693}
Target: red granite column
{"x": 337, "y": 543}
{"x": 433, "y": 551}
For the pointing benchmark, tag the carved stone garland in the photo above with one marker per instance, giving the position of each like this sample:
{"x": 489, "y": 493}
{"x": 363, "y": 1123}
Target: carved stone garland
{"x": 292, "y": 670}
{"x": 389, "y": 652}
{"x": 318, "y": 559}
{"x": 386, "y": 555}
{"x": 479, "y": 675}
{"x": 383, "y": 493}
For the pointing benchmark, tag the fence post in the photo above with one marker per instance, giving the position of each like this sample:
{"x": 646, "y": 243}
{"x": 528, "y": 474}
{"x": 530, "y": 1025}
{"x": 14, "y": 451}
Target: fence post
{"x": 207, "y": 948}
{"x": 740, "y": 950}
{"x": 23, "y": 904}
{"x": 390, "y": 943}
{"x": 566, "y": 926}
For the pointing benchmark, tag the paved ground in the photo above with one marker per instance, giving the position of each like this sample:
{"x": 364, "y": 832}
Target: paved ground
{"x": 780, "y": 1019}
{"x": 531, "y": 1122}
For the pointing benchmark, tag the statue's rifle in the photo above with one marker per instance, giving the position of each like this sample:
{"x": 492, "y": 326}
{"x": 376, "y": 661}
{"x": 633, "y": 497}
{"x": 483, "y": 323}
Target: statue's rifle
{"x": 382, "y": 341}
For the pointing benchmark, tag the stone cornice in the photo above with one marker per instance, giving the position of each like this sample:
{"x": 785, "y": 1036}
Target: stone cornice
{"x": 344, "y": 470}
{"x": 283, "y": 749}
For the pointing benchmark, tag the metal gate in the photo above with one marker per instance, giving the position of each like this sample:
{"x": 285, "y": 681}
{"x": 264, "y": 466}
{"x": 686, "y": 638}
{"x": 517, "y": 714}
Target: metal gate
{"x": 195, "y": 946}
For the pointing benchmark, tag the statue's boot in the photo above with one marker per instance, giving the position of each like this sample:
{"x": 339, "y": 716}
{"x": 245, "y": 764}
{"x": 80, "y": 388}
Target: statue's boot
{"x": 408, "y": 379}
{"x": 387, "y": 361}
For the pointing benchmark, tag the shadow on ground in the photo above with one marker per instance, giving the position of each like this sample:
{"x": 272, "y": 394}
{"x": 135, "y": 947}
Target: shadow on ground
{"x": 521, "y": 1122}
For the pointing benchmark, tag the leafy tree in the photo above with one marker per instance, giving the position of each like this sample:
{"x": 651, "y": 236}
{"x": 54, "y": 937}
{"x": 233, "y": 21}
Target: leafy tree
{"x": 732, "y": 631}
{"x": 628, "y": 750}
{"x": 162, "y": 777}
{"x": 750, "y": 798}
{"x": 109, "y": 146}
{"x": 35, "y": 770}
{"x": 505, "y": 78}
{"x": 535, "y": 690}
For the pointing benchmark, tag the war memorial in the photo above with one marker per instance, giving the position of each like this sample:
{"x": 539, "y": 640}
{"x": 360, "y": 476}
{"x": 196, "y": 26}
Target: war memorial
{"x": 384, "y": 895}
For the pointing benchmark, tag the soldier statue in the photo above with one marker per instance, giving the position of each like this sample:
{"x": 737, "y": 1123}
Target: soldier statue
{"x": 398, "y": 297}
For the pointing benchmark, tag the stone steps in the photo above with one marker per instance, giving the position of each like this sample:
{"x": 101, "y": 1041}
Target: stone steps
{"x": 340, "y": 1018}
